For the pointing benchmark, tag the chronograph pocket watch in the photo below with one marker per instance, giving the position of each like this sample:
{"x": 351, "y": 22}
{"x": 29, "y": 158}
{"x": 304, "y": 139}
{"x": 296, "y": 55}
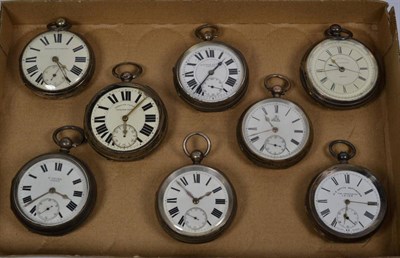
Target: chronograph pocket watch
{"x": 346, "y": 202}
{"x": 211, "y": 75}
{"x": 57, "y": 63}
{"x": 196, "y": 203}
{"x": 274, "y": 132}
{"x": 125, "y": 121}
{"x": 54, "y": 193}
{"x": 341, "y": 72}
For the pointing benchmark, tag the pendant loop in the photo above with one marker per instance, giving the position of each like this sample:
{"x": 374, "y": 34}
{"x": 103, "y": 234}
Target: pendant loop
{"x": 127, "y": 76}
{"x": 196, "y": 155}
{"x": 66, "y": 143}
{"x": 342, "y": 156}
{"x": 277, "y": 90}
{"x": 59, "y": 24}
{"x": 335, "y": 31}
{"x": 207, "y": 32}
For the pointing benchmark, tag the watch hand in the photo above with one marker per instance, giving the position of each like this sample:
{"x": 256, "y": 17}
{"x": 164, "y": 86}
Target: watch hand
{"x": 51, "y": 190}
{"x": 47, "y": 209}
{"x": 210, "y": 72}
{"x": 125, "y": 117}
{"x": 275, "y": 145}
{"x": 187, "y": 191}
{"x": 192, "y": 216}
{"x": 287, "y": 149}
{"x": 351, "y": 221}
{"x": 367, "y": 203}
{"x": 342, "y": 69}
{"x": 64, "y": 196}
{"x": 206, "y": 194}
{"x": 260, "y": 132}
{"x": 55, "y": 74}
{"x": 212, "y": 87}
{"x": 61, "y": 67}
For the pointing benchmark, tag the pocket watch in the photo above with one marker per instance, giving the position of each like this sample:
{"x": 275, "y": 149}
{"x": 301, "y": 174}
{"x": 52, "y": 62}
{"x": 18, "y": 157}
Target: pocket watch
{"x": 211, "y": 76}
{"x": 274, "y": 132}
{"x": 125, "y": 121}
{"x": 57, "y": 63}
{"x": 346, "y": 202}
{"x": 196, "y": 203}
{"x": 54, "y": 193}
{"x": 341, "y": 72}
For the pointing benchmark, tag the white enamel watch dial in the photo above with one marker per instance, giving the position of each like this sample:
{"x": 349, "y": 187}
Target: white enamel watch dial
{"x": 196, "y": 203}
{"x": 56, "y": 63}
{"x": 53, "y": 193}
{"x": 347, "y": 202}
{"x": 341, "y": 72}
{"x": 211, "y": 76}
{"x": 274, "y": 132}
{"x": 125, "y": 121}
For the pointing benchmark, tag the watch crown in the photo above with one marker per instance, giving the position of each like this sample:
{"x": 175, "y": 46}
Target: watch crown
{"x": 196, "y": 156}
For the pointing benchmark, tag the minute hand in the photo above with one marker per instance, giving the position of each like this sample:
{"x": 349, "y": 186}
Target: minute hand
{"x": 211, "y": 72}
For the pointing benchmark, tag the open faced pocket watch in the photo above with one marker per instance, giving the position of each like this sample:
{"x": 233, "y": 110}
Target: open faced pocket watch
{"x": 125, "y": 121}
{"x": 274, "y": 132}
{"x": 57, "y": 63}
{"x": 196, "y": 203}
{"x": 211, "y": 76}
{"x": 54, "y": 193}
{"x": 341, "y": 72}
{"x": 346, "y": 202}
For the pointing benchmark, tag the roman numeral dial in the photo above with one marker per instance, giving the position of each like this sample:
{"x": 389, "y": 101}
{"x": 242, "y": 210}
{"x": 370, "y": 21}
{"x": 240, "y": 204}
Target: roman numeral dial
{"x": 211, "y": 73}
{"x": 274, "y": 130}
{"x": 342, "y": 70}
{"x": 125, "y": 118}
{"x": 202, "y": 197}
{"x": 56, "y": 62}
{"x": 46, "y": 191}
{"x": 347, "y": 202}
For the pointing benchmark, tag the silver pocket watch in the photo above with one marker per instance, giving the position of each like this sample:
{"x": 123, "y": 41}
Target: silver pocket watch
{"x": 125, "y": 121}
{"x": 347, "y": 203}
{"x": 340, "y": 71}
{"x": 196, "y": 203}
{"x": 54, "y": 193}
{"x": 274, "y": 132}
{"x": 57, "y": 63}
{"x": 211, "y": 75}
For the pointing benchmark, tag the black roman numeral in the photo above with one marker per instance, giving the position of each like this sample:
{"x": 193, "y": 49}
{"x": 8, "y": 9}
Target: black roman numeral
{"x": 189, "y": 74}
{"x": 147, "y": 106}
{"x": 230, "y": 61}
{"x": 367, "y": 192}
{"x": 325, "y": 213}
{"x": 233, "y": 71}
{"x": 276, "y": 108}
{"x": 196, "y": 178}
{"x": 199, "y": 56}
{"x": 369, "y": 215}
{"x": 147, "y": 129}
{"x": 335, "y": 181}
{"x": 58, "y": 166}
{"x": 294, "y": 141}
{"x": 254, "y": 139}
{"x": 61, "y": 216}
{"x": 78, "y": 48}
{"x": 150, "y": 118}
{"x": 347, "y": 178}
{"x": 109, "y": 138}
{"x": 34, "y": 177}
{"x": 101, "y": 129}
{"x": 210, "y": 53}
{"x": 100, "y": 119}
{"x": 182, "y": 221}
{"x": 32, "y": 211}
{"x": 334, "y": 223}
{"x": 322, "y": 201}
{"x": 32, "y": 70}
{"x": 27, "y": 199}
{"x": 174, "y": 211}
{"x": 137, "y": 99}
{"x": 69, "y": 172}
{"x": 80, "y": 59}
{"x": 175, "y": 189}
{"x": 26, "y": 187}
{"x": 219, "y": 188}
{"x": 44, "y": 168}
{"x": 192, "y": 83}
{"x": 171, "y": 200}
{"x": 231, "y": 81}
{"x": 220, "y": 201}
{"x": 76, "y": 70}
{"x": 323, "y": 80}
{"x": 217, "y": 213}
{"x": 77, "y": 181}
{"x": 39, "y": 79}
{"x": 339, "y": 49}
{"x": 199, "y": 90}
{"x": 208, "y": 181}
{"x": 113, "y": 98}
{"x": 126, "y": 95}
{"x": 69, "y": 41}
{"x": 45, "y": 41}
{"x": 30, "y": 59}
{"x": 78, "y": 193}
{"x": 362, "y": 78}
{"x": 35, "y": 49}
{"x": 184, "y": 181}
{"x": 329, "y": 52}
{"x": 71, "y": 206}
{"x": 57, "y": 37}
{"x": 104, "y": 108}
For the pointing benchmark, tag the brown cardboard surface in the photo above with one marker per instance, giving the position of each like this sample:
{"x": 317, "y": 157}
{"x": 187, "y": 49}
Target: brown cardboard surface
{"x": 271, "y": 218}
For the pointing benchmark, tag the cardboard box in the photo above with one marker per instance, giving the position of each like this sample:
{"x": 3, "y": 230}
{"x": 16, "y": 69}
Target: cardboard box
{"x": 273, "y": 36}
